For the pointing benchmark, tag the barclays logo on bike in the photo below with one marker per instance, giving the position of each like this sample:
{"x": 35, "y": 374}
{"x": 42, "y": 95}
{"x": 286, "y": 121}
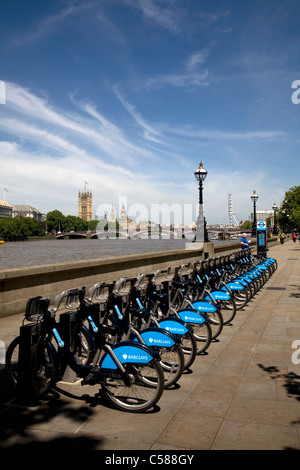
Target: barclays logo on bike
{"x": 134, "y": 357}
{"x": 175, "y": 330}
{"x": 205, "y": 308}
{"x": 162, "y": 342}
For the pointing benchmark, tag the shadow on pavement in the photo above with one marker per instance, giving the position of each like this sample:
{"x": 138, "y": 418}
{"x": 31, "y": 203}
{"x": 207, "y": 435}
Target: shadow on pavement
{"x": 291, "y": 380}
{"x": 20, "y": 425}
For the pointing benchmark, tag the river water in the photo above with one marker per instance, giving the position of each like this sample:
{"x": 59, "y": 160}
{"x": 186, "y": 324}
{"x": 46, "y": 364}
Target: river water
{"x": 40, "y": 252}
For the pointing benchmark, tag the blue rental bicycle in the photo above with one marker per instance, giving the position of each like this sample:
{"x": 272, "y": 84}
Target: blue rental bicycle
{"x": 160, "y": 297}
{"x": 118, "y": 313}
{"x": 144, "y": 313}
{"x": 129, "y": 374}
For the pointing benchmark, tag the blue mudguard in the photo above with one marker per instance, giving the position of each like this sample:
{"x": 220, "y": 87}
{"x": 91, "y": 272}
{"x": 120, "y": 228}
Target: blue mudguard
{"x": 173, "y": 326}
{"x": 190, "y": 316}
{"x": 219, "y": 295}
{"x": 128, "y": 352}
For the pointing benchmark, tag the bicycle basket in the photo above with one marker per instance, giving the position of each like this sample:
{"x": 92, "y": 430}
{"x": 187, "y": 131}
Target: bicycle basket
{"x": 101, "y": 293}
{"x": 74, "y": 299}
{"x": 36, "y": 307}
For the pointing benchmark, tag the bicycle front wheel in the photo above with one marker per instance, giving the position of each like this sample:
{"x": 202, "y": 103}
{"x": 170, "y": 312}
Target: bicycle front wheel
{"x": 203, "y": 336}
{"x": 83, "y": 346}
{"x": 241, "y": 298}
{"x": 189, "y": 349}
{"x": 142, "y": 391}
{"x": 228, "y": 310}
{"x": 45, "y": 369}
{"x": 216, "y": 322}
{"x": 172, "y": 362}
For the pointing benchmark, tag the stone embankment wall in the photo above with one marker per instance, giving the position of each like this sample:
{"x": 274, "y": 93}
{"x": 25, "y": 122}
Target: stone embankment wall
{"x": 18, "y": 284}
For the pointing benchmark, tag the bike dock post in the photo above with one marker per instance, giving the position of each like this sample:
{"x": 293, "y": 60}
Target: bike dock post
{"x": 67, "y": 324}
{"x": 261, "y": 235}
{"x": 27, "y": 387}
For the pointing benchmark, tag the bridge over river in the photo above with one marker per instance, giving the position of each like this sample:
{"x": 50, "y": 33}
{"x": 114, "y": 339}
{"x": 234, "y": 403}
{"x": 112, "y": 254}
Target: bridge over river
{"x": 143, "y": 234}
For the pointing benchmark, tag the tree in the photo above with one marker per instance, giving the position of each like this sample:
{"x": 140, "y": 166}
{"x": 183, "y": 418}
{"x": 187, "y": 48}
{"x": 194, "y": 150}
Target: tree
{"x": 288, "y": 216}
{"x": 34, "y": 226}
{"x": 92, "y": 224}
{"x": 73, "y": 223}
{"x": 13, "y": 229}
{"x": 246, "y": 226}
{"x": 55, "y": 221}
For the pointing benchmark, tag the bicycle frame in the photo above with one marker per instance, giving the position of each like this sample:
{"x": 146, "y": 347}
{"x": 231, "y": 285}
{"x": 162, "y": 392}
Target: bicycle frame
{"x": 112, "y": 357}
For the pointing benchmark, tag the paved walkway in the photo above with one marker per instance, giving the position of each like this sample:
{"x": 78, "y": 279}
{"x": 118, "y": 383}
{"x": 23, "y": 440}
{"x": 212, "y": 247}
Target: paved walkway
{"x": 244, "y": 394}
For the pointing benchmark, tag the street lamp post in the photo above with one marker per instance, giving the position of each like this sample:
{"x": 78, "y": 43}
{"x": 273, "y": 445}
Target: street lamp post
{"x": 275, "y": 229}
{"x": 201, "y": 231}
{"x": 254, "y": 198}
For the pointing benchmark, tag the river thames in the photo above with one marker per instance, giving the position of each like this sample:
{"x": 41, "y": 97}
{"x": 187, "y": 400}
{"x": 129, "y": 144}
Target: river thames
{"x": 40, "y": 252}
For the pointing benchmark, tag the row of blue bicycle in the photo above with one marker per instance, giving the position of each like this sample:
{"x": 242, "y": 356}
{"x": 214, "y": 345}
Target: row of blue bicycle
{"x": 135, "y": 337}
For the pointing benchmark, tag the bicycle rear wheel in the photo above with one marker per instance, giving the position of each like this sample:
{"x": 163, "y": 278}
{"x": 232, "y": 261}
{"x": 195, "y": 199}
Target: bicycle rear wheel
{"x": 143, "y": 390}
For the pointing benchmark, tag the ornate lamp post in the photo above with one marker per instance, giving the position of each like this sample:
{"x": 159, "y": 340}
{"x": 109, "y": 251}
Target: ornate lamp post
{"x": 254, "y": 198}
{"x": 202, "y": 235}
{"x": 275, "y": 229}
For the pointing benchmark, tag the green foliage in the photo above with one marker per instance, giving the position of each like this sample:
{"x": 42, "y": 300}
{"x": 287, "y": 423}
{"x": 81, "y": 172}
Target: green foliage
{"x": 246, "y": 226}
{"x": 19, "y": 228}
{"x": 107, "y": 226}
{"x": 92, "y": 225}
{"x": 73, "y": 223}
{"x": 288, "y": 216}
{"x": 34, "y": 226}
{"x": 55, "y": 221}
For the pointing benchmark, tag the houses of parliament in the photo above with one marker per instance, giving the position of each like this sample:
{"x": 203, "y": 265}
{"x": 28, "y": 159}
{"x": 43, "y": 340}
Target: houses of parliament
{"x": 85, "y": 209}
{"x": 85, "y": 205}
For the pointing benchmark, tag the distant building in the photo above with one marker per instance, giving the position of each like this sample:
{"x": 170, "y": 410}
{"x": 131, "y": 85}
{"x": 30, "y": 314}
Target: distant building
{"x": 263, "y": 215}
{"x": 26, "y": 211}
{"x": 85, "y": 205}
{"x": 124, "y": 221}
{"x": 112, "y": 217}
{"x": 5, "y": 209}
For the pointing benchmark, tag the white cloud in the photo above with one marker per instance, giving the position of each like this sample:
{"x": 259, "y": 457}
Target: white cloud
{"x": 150, "y": 133}
{"x": 48, "y": 25}
{"x": 198, "y": 57}
{"x": 166, "y": 17}
{"x": 218, "y": 134}
{"x": 51, "y": 152}
{"x": 191, "y": 74}
{"x": 97, "y": 132}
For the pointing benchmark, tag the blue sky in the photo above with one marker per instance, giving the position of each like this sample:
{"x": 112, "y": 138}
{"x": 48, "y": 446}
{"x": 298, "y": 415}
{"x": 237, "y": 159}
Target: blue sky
{"x": 130, "y": 95}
